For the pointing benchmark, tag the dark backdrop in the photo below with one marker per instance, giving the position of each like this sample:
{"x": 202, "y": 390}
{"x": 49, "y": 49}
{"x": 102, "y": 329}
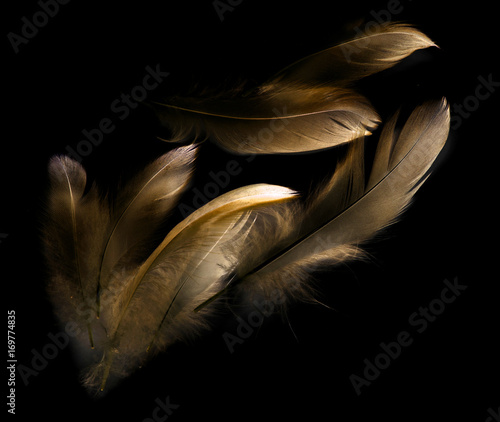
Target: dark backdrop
{"x": 64, "y": 80}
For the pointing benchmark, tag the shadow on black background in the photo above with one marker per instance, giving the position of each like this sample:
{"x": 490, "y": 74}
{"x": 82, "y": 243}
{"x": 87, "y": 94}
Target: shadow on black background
{"x": 65, "y": 79}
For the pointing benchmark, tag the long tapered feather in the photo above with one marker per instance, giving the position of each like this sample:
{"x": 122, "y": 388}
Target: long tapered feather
{"x": 143, "y": 204}
{"x": 280, "y": 119}
{"x": 379, "y": 48}
{"x": 305, "y": 107}
{"x": 231, "y": 204}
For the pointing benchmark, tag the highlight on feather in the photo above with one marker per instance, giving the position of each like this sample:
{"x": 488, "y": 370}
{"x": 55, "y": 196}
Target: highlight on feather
{"x": 346, "y": 212}
{"x": 308, "y": 106}
{"x": 154, "y": 307}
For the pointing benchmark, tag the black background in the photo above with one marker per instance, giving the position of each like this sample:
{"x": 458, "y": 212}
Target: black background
{"x": 64, "y": 80}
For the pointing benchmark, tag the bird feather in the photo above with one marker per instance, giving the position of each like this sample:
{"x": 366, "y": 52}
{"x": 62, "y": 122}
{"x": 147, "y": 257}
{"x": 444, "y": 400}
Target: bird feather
{"x": 307, "y": 106}
{"x": 282, "y": 119}
{"x": 373, "y": 51}
{"x": 69, "y": 244}
{"x": 142, "y": 205}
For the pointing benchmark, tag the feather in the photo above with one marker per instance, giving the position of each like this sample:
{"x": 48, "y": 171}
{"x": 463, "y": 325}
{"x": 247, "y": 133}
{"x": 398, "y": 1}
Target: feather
{"x": 346, "y": 212}
{"x": 142, "y": 205}
{"x": 279, "y": 119}
{"x": 69, "y": 244}
{"x": 182, "y": 272}
{"x": 380, "y": 48}
{"x": 307, "y": 106}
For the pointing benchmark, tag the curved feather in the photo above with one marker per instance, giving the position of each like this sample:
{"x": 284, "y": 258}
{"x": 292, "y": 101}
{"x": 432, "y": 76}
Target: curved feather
{"x": 278, "y": 119}
{"x": 142, "y": 205}
{"x": 181, "y": 273}
{"x": 231, "y": 204}
{"x": 380, "y": 48}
